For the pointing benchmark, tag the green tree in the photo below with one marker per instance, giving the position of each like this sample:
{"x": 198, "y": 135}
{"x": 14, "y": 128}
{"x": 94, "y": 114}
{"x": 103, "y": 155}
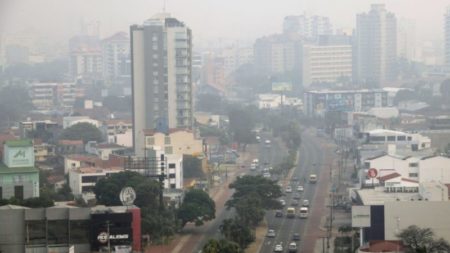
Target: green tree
{"x": 249, "y": 210}
{"x": 266, "y": 190}
{"x": 107, "y": 190}
{"x": 84, "y": 131}
{"x": 241, "y": 125}
{"x": 234, "y": 230}
{"x": 221, "y": 246}
{"x": 15, "y": 104}
{"x": 421, "y": 240}
{"x": 197, "y": 207}
{"x": 192, "y": 167}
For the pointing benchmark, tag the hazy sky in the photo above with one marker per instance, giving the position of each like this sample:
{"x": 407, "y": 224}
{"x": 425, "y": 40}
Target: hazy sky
{"x": 209, "y": 19}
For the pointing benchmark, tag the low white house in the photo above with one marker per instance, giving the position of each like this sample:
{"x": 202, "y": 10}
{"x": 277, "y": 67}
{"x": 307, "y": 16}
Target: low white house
{"x": 420, "y": 169}
{"x": 72, "y": 120}
{"x": 83, "y": 180}
{"x": 385, "y": 136}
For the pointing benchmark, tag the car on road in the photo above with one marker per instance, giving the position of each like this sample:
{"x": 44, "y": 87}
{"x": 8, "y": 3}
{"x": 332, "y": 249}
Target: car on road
{"x": 295, "y": 179}
{"x": 305, "y": 202}
{"x": 282, "y": 202}
{"x": 296, "y": 237}
{"x": 278, "y": 213}
{"x": 294, "y": 203}
{"x": 292, "y": 248}
{"x": 288, "y": 189}
{"x": 268, "y": 143}
{"x": 296, "y": 196}
{"x": 312, "y": 178}
{"x": 271, "y": 233}
{"x": 300, "y": 188}
{"x": 258, "y": 138}
{"x": 278, "y": 248}
{"x": 266, "y": 175}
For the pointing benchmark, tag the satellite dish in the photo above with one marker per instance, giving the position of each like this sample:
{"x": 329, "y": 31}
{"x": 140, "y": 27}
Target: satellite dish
{"x": 127, "y": 196}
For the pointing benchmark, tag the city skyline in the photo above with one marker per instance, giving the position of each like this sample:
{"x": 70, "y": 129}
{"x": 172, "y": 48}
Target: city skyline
{"x": 209, "y": 19}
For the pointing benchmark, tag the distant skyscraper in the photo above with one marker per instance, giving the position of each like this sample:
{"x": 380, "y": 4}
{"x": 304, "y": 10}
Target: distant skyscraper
{"x": 375, "y": 47}
{"x": 406, "y": 39}
{"x": 115, "y": 50}
{"x": 447, "y": 37}
{"x": 161, "y": 56}
{"x": 308, "y": 27}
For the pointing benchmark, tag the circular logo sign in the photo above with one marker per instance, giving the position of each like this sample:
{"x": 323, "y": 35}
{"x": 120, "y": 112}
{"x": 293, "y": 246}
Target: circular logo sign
{"x": 372, "y": 173}
{"x": 127, "y": 196}
{"x": 102, "y": 237}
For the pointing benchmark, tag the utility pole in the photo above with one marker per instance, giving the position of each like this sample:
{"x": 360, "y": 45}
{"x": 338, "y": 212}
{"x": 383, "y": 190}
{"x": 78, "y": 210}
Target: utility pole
{"x": 109, "y": 237}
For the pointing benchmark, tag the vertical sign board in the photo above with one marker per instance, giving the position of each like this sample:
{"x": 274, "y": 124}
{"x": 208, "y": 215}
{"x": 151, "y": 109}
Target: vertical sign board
{"x": 361, "y": 216}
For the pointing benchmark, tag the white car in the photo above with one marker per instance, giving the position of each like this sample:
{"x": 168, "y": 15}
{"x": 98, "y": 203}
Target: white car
{"x": 300, "y": 188}
{"x": 282, "y": 202}
{"x": 271, "y": 233}
{"x": 288, "y": 189}
{"x": 305, "y": 202}
{"x": 266, "y": 175}
{"x": 278, "y": 248}
{"x": 292, "y": 247}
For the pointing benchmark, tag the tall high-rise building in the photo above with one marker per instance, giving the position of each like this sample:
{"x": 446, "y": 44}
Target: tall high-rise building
{"x": 115, "y": 50}
{"x": 161, "y": 56}
{"x": 447, "y": 37}
{"x": 375, "y": 47}
{"x": 308, "y": 27}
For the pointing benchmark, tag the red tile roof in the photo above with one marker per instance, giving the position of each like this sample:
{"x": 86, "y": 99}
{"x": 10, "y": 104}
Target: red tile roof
{"x": 70, "y": 142}
{"x": 383, "y": 246}
{"x": 389, "y": 176}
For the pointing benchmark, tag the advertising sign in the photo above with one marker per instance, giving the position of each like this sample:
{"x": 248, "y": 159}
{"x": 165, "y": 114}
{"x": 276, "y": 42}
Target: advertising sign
{"x": 372, "y": 173}
{"x": 360, "y": 216}
{"x": 281, "y": 86}
{"x": 20, "y": 157}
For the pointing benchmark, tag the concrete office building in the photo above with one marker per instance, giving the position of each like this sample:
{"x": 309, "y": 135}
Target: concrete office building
{"x": 161, "y": 55}
{"x": 115, "y": 49}
{"x": 70, "y": 229}
{"x": 18, "y": 176}
{"x": 375, "y": 47}
{"x": 317, "y": 103}
{"x": 308, "y": 27}
{"x": 328, "y": 61}
{"x": 447, "y": 37}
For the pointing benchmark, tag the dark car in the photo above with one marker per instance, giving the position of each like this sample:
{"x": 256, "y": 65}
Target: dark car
{"x": 296, "y": 196}
{"x": 278, "y": 213}
{"x": 296, "y": 237}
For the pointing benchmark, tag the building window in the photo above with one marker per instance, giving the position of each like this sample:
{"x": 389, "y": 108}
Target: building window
{"x": 167, "y": 140}
{"x": 58, "y": 232}
{"x": 409, "y": 138}
{"x": 89, "y": 179}
{"x": 168, "y": 150}
{"x": 377, "y": 138}
{"x": 413, "y": 174}
{"x": 414, "y": 165}
{"x": 171, "y": 165}
{"x": 401, "y": 138}
{"x": 173, "y": 186}
{"x": 35, "y": 232}
{"x": 171, "y": 175}
{"x": 150, "y": 141}
{"x": 18, "y": 192}
{"x": 391, "y": 138}
{"x": 79, "y": 231}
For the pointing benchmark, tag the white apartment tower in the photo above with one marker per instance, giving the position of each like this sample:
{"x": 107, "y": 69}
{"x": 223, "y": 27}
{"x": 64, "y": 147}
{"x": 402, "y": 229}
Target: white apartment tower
{"x": 307, "y": 26}
{"x": 115, "y": 50}
{"x": 161, "y": 56}
{"x": 447, "y": 37}
{"x": 375, "y": 47}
